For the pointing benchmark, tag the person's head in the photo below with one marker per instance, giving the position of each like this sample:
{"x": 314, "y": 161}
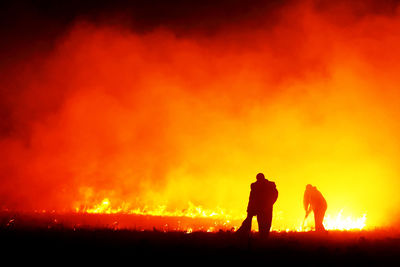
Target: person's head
{"x": 309, "y": 187}
{"x": 260, "y": 176}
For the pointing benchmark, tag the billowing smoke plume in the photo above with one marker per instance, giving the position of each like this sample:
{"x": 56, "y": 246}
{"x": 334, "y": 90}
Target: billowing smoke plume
{"x": 190, "y": 106}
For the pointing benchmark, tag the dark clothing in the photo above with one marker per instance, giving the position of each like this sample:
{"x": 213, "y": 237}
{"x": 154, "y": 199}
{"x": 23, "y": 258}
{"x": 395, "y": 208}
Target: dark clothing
{"x": 319, "y": 218}
{"x": 264, "y": 220}
{"x": 313, "y": 200}
{"x": 263, "y": 195}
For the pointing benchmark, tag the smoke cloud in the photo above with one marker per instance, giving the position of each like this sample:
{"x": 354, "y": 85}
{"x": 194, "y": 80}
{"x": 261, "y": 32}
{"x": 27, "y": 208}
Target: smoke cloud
{"x": 189, "y": 104}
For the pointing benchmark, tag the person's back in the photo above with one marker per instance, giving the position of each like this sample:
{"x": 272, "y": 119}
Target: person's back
{"x": 314, "y": 198}
{"x": 263, "y": 195}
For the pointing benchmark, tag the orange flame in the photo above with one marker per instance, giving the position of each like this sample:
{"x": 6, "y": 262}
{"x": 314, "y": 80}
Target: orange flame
{"x": 338, "y": 222}
{"x": 192, "y": 211}
{"x": 348, "y": 223}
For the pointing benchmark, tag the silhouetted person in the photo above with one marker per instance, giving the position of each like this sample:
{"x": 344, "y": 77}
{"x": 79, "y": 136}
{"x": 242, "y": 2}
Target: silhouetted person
{"x": 263, "y": 195}
{"x": 313, "y": 200}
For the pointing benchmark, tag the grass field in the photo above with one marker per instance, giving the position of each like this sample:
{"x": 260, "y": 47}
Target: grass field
{"x": 59, "y": 243}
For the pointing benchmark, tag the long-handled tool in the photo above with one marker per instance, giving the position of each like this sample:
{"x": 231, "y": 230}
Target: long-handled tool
{"x": 305, "y": 218}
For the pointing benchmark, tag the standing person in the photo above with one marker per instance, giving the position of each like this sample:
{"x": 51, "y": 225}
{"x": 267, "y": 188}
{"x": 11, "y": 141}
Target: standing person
{"x": 313, "y": 200}
{"x": 263, "y": 195}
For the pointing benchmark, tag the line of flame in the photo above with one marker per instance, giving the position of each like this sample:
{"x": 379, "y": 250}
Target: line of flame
{"x": 193, "y": 211}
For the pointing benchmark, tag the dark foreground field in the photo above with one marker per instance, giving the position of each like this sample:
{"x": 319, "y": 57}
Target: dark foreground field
{"x": 129, "y": 240}
{"x": 147, "y": 247}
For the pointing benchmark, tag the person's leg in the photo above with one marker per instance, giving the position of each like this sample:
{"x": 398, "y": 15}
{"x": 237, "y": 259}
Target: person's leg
{"x": 322, "y": 214}
{"x": 264, "y": 223}
{"x": 268, "y": 221}
{"x": 319, "y": 218}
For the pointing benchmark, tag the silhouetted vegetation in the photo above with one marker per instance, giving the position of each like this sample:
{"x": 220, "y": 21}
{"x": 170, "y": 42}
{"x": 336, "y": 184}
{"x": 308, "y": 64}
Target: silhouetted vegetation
{"x": 59, "y": 243}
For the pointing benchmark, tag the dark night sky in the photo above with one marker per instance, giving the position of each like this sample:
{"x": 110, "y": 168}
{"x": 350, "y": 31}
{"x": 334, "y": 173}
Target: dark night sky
{"x": 28, "y": 26}
{"x": 34, "y": 27}
{"x": 31, "y": 24}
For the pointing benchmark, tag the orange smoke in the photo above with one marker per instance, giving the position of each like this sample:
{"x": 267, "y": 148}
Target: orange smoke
{"x": 155, "y": 119}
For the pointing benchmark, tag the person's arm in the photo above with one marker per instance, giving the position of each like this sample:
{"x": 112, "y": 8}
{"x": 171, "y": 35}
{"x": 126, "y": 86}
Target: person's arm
{"x": 250, "y": 205}
{"x": 306, "y": 203}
